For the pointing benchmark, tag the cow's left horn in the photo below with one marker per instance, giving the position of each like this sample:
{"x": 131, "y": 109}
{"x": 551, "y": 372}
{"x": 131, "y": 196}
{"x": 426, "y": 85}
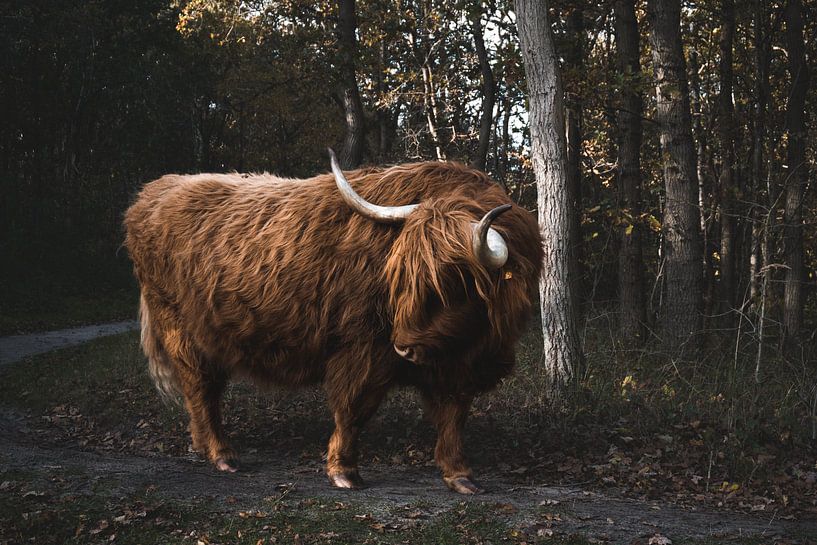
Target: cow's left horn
{"x": 488, "y": 245}
{"x": 383, "y": 214}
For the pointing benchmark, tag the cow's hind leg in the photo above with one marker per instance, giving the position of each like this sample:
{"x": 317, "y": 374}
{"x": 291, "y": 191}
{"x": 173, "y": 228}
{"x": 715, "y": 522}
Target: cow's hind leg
{"x": 177, "y": 366}
{"x": 351, "y": 414}
{"x": 202, "y": 399}
{"x": 448, "y": 414}
{"x": 201, "y": 383}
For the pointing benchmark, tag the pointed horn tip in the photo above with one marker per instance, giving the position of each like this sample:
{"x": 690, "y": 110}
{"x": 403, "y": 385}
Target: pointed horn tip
{"x": 500, "y": 210}
{"x": 494, "y": 213}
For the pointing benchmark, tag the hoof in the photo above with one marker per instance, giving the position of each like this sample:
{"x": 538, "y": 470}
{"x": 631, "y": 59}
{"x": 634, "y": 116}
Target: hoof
{"x": 463, "y": 485}
{"x": 228, "y": 465}
{"x": 350, "y": 480}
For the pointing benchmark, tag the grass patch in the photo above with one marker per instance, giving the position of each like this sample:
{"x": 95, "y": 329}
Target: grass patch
{"x": 64, "y": 283}
{"x": 106, "y": 376}
{"x": 57, "y": 517}
{"x": 46, "y": 309}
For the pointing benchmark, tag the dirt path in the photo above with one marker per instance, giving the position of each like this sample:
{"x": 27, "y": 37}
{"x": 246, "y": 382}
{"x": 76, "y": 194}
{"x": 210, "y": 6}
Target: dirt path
{"x": 17, "y": 347}
{"x": 395, "y": 491}
{"x": 537, "y": 510}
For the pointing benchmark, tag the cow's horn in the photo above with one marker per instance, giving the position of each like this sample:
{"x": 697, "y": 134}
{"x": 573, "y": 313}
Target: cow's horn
{"x": 383, "y": 214}
{"x": 488, "y": 245}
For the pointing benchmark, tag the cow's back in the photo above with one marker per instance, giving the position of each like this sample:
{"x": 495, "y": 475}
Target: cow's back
{"x": 260, "y": 272}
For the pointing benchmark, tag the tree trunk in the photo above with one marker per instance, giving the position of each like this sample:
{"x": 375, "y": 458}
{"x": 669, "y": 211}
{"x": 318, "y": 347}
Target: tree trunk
{"x": 352, "y": 152}
{"x": 706, "y": 204}
{"x": 574, "y": 57}
{"x": 488, "y": 95}
{"x": 383, "y": 114}
{"x": 630, "y": 264}
{"x": 506, "y": 136}
{"x": 430, "y": 102}
{"x": 680, "y": 312}
{"x": 762, "y": 90}
{"x": 728, "y": 189}
{"x": 505, "y": 105}
{"x": 562, "y": 351}
{"x": 765, "y": 219}
{"x": 796, "y": 173}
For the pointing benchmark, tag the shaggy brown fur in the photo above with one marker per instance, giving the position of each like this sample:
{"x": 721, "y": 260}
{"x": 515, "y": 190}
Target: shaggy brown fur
{"x": 279, "y": 281}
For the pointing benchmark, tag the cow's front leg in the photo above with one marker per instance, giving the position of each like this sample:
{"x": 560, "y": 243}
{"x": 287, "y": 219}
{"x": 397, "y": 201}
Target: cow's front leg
{"x": 350, "y": 417}
{"x": 448, "y": 415}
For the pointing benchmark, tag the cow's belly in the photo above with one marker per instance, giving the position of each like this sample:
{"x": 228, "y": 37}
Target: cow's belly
{"x": 279, "y": 366}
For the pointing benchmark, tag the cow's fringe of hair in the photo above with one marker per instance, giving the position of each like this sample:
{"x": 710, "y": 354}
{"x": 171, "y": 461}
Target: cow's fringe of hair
{"x": 423, "y": 256}
{"x": 160, "y": 367}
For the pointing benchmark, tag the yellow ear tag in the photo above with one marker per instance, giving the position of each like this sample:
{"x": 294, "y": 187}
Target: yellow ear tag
{"x": 508, "y": 275}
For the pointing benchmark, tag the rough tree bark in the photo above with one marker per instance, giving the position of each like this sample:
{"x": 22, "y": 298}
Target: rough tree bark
{"x": 683, "y": 255}
{"x": 352, "y": 152}
{"x": 562, "y": 351}
{"x": 631, "y": 291}
{"x": 796, "y": 173}
{"x": 728, "y": 187}
{"x": 488, "y": 94}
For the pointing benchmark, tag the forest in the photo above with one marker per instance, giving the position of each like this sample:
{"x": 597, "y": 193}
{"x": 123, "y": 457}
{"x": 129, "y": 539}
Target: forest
{"x": 670, "y": 157}
{"x": 687, "y": 170}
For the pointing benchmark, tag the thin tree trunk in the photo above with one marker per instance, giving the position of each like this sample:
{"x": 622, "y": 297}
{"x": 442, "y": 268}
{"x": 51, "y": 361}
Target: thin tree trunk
{"x": 630, "y": 261}
{"x": 352, "y": 152}
{"x": 505, "y": 104}
{"x": 503, "y": 159}
{"x": 574, "y": 57}
{"x": 706, "y": 204}
{"x": 796, "y": 173}
{"x": 681, "y": 229}
{"x": 726, "y": 135}
{"x": 430, "y": 102}
{"x": 563, "y": 356}
{"x": 488, "y": 95}
{"x": 762, "y": 91}
{"x": 382, "y": 111}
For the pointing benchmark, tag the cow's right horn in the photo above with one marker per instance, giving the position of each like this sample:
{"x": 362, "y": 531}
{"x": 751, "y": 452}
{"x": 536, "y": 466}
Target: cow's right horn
{"x": 383, "y": 214}
{"x": 488, "y": 244}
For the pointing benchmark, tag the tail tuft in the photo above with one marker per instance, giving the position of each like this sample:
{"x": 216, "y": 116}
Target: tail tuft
{"x": 159, "y": 364}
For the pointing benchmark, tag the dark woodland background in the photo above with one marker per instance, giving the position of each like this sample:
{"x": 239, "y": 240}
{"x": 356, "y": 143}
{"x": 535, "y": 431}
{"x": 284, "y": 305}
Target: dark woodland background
{"x": 696, "y": 322}
{"x": 101, "y": 96}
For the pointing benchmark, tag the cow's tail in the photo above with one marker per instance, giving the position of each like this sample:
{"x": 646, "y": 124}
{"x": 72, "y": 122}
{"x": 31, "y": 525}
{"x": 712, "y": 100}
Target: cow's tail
{"x": 159, "y": 365}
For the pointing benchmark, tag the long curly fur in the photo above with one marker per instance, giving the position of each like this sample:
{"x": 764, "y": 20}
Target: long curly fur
{"x": 278, "y": 280}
